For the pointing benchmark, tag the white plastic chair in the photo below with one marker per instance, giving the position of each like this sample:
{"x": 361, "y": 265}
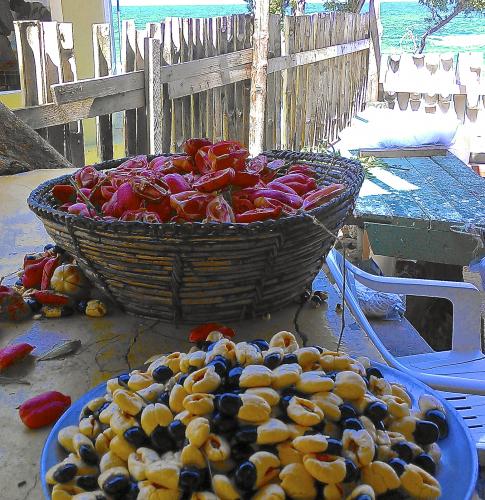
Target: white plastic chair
{"x": 459, "y": 372}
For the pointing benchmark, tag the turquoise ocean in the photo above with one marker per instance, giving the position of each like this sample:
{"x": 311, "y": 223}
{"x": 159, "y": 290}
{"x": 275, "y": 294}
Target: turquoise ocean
{"x": 399, "y": 20}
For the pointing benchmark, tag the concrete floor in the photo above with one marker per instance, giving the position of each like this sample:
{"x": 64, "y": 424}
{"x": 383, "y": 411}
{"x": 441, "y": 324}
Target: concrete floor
{"x": 110, "y": 345}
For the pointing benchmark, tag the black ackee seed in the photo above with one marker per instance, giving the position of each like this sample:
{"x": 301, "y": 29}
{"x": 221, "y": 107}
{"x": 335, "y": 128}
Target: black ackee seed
{"x": 376, "y": 411}
{"x": 289, "y": 359}
{"x": 81, "y": 305}
{"x": 284, "y": 402}
{"x": 162, "y": 374}
{"x": 363, "y": 497}
{"x": 222, "y": 424}
{"x": 136, "y": 436}
{"x": 392, "y": 495}
{"x": 164, "y": 398}
{"x": 66, "y": 311}
{"x": 182, "y": 379}
{"x": 292, "y": 391}
{"x": 270, "y": 448}
{"x": 116, "y": 484}
{"x": 219, "y": 366}
{"x": 318, "y": 348}
{"x": 426, "y": 463}
{"x": 334, "y": 446}
{"x": 398, "y": 465}
{"x": 190, "y": 479}
{"x": 101, "y": 408}
{"x": 426, "y": 432}
{"x": 123, "y": 378}
{"x": 88, "y": 483}
{"x": 133, "y": 491}
{"x": 272, "y": 360}
{"x": 229, "y": 404}
{"x": 86, "y": 412}
{"x": 247, "y": 434}
{"x": 320, "y": 427}
{"x": 347, "y": 411}
{"x": 232, "y": 379}
{"x": 49, "y": 246}
{"x": 176, "y": 429}
{"x": 210, "y": 346}
{"x": 353, "y": 472}
{"x": 34, "y": 306}
{"x": 88, "y": 454}
{"x": 161, "y": 440}
{"x": 64, "y": 473}
{"x": 372, "y": 371}
{"x": 241, "y": 452}
{"x": 438, "y": 418}
{"x": 261, "y": 343}
{"x": 404, "y": 451}
{"x": 245, "y": 476}
{"x": 379, "y": 425}
{"x": 353, "y": 423}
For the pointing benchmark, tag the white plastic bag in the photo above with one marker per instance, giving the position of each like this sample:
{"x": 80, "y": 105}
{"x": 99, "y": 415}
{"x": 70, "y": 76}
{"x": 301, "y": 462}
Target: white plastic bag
{"x": 380, "y": 305}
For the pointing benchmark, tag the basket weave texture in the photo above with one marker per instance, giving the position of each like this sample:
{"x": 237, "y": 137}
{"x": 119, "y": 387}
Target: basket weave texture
{"x": 198, "y": 272}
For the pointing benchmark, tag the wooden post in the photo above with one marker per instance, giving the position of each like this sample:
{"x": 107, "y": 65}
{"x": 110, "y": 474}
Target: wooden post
{"x": 102, "y": 67}
{"x": 153, "y": 94}
{"x": 259, "y": 74}
{"x": 74, "y": 132}
{"x": 128, "y": 54}
{"x": 375, "y": 30}
{"x": 53, "y": 74}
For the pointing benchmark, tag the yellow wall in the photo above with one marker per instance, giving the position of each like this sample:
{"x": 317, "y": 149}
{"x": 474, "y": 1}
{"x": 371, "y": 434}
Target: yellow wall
{"x": 83, "y": 14}
{"x": 11, "y": 99}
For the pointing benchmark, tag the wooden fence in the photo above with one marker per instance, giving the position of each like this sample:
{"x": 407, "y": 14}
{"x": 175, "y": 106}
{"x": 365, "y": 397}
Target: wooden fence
{"x": 191, "y": 77}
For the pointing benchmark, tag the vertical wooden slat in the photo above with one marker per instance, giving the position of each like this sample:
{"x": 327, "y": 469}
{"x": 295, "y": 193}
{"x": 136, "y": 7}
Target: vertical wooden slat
{"x": 154, "y": 30}
{"x": 186, "y": 54}
{"x": 288, "y": 84}
{"x": 259, "y": 74}
{"x": 153, "y": 94}
{"x": 197, "y": 54}
{"x": 209, "y": 51}
{"x": 53, "y": 75}
{"x": 311, "y": 79}
{"x": 239, "y": 38}
{"x": 128, "y": 54}
{"x": 230, "y": 97}
{"x": 73, "y": 131}
{"x": 301, "y": 82}
{"x": 141, "y": 116}
{"x": 218, "y": 106}
{"x": 272, "y": 91}
{"x": 166, "y": 103}
{"x": 248, "y": 43}
{"x": 102, "y": 67}
{"x": 175, "y": 48}
{"x": 31, "y": 64}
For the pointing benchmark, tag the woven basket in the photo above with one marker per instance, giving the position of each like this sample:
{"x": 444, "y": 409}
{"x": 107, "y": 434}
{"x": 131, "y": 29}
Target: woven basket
{"x": 197, "y": 272}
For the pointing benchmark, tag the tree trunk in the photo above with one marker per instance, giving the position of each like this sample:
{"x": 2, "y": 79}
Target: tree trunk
{"x": 22, "y": 149}
{"x": 438, "y": 26}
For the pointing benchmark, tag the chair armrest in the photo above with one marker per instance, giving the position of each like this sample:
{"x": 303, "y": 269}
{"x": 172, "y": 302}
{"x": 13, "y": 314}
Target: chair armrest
{"x": 465, "y": 298}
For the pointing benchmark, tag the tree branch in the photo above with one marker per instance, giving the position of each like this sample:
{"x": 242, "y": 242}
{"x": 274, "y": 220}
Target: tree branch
{"x": 445, "y": 20}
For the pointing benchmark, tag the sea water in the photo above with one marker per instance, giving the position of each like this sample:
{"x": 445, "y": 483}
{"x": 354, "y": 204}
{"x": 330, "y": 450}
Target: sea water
{"x": 401, "y": 21}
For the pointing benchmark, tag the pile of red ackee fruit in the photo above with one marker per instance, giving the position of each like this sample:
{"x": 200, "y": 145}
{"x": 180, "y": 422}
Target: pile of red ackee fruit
{"x": 210, "y": 183}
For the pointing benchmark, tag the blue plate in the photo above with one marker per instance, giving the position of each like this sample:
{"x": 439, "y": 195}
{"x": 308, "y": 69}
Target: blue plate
{"x": 457, "y": 482}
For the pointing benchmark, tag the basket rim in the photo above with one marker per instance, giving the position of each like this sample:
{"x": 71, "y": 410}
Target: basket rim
{"x": 44, "y": 210}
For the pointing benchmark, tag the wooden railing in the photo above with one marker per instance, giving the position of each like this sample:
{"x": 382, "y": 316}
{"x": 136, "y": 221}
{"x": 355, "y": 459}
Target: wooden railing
{"x": 191, "y": 77}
